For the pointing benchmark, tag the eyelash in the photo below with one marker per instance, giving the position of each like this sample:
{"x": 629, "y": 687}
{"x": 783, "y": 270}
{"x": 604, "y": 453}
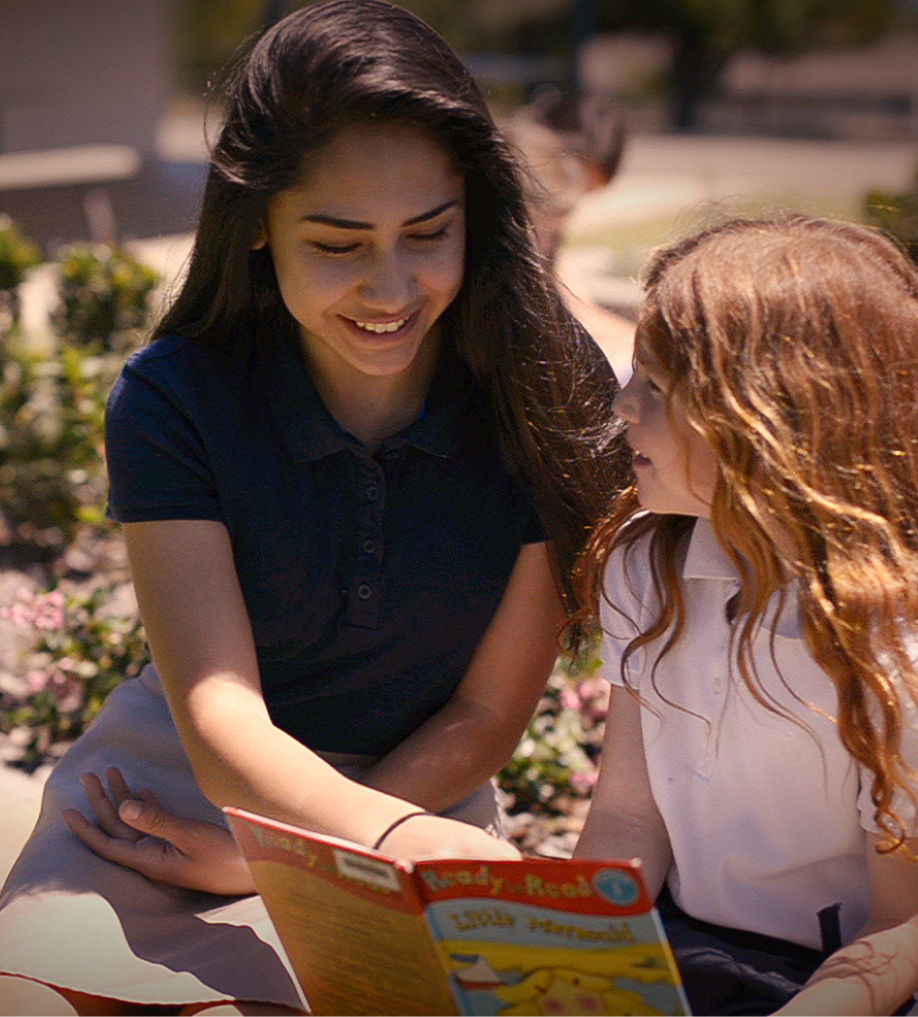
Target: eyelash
{"x": 334, "y": 249}
{"x": 648, "y": 381}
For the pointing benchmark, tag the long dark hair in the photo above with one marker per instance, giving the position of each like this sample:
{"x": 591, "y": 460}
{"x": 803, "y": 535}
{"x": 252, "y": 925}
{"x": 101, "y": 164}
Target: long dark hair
{"x": 346, "y": 62}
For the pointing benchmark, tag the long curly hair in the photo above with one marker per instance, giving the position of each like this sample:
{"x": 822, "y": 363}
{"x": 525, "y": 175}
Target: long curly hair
{"x": 331, "y": 65}
{"x": 793, "y": 342}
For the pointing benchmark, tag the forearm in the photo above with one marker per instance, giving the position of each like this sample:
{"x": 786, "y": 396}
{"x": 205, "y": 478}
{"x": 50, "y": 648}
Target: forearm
{"x": 613, "y": 834}
{"x": 240, "y": 758}
{"x": 450, "y": 755}
{"x": 873, "y": 975}
{"x": 624, "y": 821}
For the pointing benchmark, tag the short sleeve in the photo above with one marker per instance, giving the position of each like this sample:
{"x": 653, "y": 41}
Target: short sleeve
{"x": 621, "y": 610}
{"x": 156, "y": 459}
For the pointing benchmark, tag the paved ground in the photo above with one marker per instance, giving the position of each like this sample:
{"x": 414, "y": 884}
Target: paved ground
{"x": 660, "y": 179}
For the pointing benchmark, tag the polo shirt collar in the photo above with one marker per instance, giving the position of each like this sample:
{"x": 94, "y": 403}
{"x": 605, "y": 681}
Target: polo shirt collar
{"x": 705, "y": 558}
{"x": 309, "y": 432}
{"x": 438, "y": 430}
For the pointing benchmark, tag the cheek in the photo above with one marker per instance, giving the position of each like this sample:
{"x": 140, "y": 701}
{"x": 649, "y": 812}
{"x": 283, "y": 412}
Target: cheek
{"x": 445, "y": 273}
{"x": 704, "y": 468}
{"x": 309, "y": 288}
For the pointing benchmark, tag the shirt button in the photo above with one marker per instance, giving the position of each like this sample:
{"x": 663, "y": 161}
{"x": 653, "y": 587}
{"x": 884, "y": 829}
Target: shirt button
{"x": 364, "y": 591}
{"x": 372, "y": 492}
{"x": 369, "y": 546}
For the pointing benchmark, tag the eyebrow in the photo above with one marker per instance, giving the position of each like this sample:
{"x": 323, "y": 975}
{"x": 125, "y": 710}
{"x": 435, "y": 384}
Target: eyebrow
{"x": 354, "y": 224}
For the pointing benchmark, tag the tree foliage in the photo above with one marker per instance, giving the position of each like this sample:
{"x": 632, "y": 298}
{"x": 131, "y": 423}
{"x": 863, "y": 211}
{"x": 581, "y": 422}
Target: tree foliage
{"x": 706, "y": 34}
{"x": 209, "y": 32}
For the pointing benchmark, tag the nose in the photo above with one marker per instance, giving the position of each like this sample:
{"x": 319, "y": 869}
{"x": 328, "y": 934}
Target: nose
{"x": 625, "y": 404}
{"x": 388, "y": 284}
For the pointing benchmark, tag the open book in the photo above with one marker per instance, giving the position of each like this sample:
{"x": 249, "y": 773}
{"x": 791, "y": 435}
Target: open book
{"x": 368, "y": 934}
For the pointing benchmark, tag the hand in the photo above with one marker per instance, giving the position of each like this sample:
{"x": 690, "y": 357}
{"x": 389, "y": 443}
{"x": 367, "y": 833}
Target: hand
{"x": 432, "y": 836}
{"x": 134, "y": 830}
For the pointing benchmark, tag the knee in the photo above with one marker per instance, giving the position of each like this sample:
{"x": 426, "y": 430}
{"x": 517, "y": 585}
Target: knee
{"x": 23, "y": 996}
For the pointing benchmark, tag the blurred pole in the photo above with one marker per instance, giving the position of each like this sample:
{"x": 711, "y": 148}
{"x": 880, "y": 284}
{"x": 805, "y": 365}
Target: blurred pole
{"x": 583, "y": 28}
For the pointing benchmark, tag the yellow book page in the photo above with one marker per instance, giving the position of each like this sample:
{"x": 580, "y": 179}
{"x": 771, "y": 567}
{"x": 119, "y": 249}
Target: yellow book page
{"x": 351, "y": 954}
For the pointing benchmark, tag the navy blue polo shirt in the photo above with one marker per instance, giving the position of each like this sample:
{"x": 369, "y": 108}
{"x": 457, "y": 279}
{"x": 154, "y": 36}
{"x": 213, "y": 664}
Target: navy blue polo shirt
{"x": 369, "y": 579}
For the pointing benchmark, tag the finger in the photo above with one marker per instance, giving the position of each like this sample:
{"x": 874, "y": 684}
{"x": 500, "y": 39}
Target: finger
{"x": 144, "y": 857}
{"x": 91, "y": 835}
{"x": 117, "y": 785}
{"x": 147, "y": 795}
{"x": 147, "y": 817}
{"x": 104, "y": 810}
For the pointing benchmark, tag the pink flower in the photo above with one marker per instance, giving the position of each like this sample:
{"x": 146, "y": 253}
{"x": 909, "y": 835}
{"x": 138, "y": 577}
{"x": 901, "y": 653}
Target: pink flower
{"x": 37, "y": 680}
{"x": 584, "y": 780}
{"x": 594, "y": 697}
{"x": 49, "y": 611}
{"x": 42, "y": 611}
{"x": 569, "y": 698}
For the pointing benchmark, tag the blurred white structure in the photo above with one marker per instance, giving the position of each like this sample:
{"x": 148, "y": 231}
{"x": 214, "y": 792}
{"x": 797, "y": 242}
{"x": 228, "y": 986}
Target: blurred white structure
{"x": 84, "y": 87}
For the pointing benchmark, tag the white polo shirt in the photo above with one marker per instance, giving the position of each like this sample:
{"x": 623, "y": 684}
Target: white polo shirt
{"x": 766, "y": 818}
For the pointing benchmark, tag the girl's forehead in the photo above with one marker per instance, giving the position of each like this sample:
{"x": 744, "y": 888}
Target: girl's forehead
{"x": 368, "y": 149}
{"x": 373, "y": 176}
{"x": 377, "y": 166}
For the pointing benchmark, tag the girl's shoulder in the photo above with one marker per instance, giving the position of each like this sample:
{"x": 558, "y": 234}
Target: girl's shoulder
{"x": 647, "y": 548}
{"x": 161, "y": 348}
{"x": 178, "y": 355}
{"x": 628, "y": 567}
{"x": 184, "y": 369}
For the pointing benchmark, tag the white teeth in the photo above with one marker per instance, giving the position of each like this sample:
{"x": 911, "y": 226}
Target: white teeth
{"x": 380, "y": 328}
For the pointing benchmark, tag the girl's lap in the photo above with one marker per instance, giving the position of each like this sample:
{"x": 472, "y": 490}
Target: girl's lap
{"x": 75, "y": 920}
{"x": 727, "y": 971}
{"x": 72, "y": 919}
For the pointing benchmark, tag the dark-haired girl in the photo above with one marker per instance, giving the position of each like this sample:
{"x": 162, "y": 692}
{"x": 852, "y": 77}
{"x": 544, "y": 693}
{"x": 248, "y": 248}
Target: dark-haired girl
{"x": 353, "y": 468}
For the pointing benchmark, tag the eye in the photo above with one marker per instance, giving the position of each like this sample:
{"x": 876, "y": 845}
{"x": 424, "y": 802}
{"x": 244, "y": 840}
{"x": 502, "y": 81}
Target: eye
{"x": 334, "y": 249}
{"x": 434, "y": 235}
{"x": 645, "y": 376}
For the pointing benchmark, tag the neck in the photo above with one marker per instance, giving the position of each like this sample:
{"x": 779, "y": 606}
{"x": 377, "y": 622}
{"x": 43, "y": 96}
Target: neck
{"x": 373, "y": 408}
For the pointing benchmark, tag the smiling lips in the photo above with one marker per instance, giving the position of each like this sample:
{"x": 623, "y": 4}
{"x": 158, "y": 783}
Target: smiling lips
{"x": 380, "y": 327}
{"x": 383, "y": 328}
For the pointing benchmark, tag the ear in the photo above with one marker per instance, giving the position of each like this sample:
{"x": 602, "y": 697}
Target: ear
{"x": 261, "y": 237}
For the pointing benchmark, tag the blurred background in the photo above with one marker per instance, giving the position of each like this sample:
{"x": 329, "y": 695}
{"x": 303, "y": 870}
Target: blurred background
{"x": 780, "y": 102}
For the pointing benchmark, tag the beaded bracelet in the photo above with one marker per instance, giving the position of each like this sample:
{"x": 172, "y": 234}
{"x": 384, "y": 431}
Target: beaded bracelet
{"x": 398, "y": 822}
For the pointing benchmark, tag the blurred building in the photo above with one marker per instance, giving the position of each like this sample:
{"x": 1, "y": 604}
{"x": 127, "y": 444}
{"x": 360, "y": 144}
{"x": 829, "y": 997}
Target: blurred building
{"x": 84, "y": 85}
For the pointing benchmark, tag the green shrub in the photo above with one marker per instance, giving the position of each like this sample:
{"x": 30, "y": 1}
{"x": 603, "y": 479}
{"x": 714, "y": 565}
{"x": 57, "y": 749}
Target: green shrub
{"x": 17, "y": 256}
{"x": 52, "y": 475}
{"x": 104, "y": 294}
{"x": 80, "y": 654}
{"x": 897, "y": 215}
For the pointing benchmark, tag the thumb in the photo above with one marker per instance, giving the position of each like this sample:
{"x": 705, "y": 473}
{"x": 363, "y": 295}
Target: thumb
{"x": 148, "y": 816}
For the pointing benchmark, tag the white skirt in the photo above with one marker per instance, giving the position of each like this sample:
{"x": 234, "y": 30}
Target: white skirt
{"x": 75, "y": 921}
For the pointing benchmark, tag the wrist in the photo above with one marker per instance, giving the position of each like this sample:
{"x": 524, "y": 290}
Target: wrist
{"x": 396, "y": 824}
